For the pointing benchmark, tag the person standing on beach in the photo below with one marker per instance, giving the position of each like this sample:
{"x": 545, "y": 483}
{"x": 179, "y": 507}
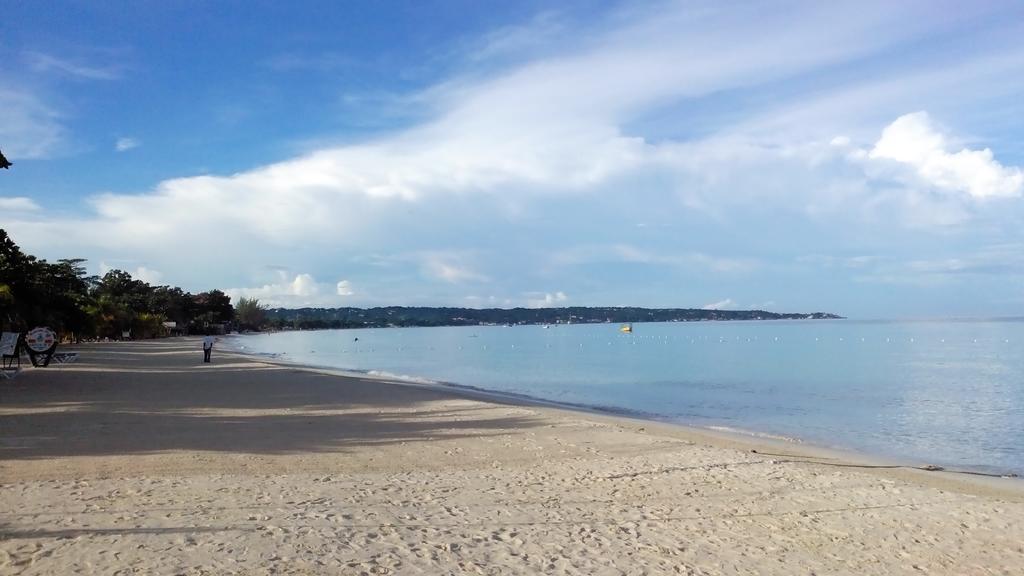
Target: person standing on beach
{"x": 207, "y": 348}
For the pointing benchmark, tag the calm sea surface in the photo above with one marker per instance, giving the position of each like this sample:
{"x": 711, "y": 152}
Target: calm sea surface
{"x": 948, "y": 393}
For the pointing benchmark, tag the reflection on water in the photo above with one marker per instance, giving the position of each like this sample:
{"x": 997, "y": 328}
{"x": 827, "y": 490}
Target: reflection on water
{"x": 950, "y": 393}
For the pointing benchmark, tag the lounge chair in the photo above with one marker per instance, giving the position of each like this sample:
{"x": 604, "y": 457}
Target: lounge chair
{"x": 64, "y": 357}
{"x": 9, "y": 342}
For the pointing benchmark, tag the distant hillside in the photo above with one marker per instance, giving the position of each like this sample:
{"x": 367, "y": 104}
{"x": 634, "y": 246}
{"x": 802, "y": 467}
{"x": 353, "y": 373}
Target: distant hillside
{"x": 310, "y": 318}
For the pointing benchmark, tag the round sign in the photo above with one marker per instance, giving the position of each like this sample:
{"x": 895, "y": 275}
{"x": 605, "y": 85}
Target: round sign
{"x": 40, "y": 339}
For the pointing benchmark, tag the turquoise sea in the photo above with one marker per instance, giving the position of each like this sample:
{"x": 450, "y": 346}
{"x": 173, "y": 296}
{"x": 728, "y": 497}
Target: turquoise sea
{"x": 949, "y": 393}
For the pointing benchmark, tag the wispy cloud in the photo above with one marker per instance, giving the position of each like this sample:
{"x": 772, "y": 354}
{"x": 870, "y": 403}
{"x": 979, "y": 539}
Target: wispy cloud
{"x": 518, "y": 41}
{"x": 30, "y": 128}
{"x": 1001, "y": 262}
{"x": 126, "y": 143}
{"x": 450, "y": 267}
{"x": 591, "y": 253}
{"x": 42, "y": 62}
{"x": 320, "y": 62}
{"x": 720, "y": 305}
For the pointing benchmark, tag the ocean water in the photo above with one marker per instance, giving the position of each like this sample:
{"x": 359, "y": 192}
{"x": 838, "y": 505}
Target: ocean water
{"x": 949, "y": 393}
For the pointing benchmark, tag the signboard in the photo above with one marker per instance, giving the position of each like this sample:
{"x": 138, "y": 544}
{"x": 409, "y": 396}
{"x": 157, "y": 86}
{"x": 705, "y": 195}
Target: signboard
{"x": 41, "y": 343}
{"x": 170, "y": 324}
{"x": 40, "y": 339}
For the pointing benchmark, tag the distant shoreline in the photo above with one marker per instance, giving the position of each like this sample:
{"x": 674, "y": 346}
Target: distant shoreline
{"x": 411, "y": 316}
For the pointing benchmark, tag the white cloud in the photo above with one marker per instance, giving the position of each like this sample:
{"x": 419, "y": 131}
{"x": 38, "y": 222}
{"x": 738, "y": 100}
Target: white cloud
{"x": 299, "y": 290}
{"x": 18, "y": 204}
{"x": 344, "y": 288}
{"x": 148, "y": 275}
{"x": 126, "y": 143}
{"x": 546, "y": 300}
{"x": 915, "y": 141}
{"x": 720, "y": 305}
{"x": 559, "y": 130}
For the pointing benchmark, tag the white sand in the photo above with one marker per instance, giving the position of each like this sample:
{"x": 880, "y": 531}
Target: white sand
{"x": 139, "y": 459}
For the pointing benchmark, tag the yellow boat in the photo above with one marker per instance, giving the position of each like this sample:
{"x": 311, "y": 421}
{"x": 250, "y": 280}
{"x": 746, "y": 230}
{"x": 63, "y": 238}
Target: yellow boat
{"x": 626, "y": 328}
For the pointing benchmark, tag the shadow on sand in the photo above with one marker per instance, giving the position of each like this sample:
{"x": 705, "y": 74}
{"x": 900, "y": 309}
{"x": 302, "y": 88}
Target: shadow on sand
{"x": 140, "y": 398}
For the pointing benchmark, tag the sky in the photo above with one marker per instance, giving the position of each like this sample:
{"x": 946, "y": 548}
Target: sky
{"x": 861, "y": 158}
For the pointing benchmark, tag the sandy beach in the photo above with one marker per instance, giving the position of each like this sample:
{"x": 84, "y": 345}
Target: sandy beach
{"x": 140, "y": 459}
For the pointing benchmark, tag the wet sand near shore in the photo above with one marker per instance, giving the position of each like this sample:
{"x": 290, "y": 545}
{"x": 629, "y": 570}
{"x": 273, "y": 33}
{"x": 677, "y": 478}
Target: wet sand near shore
{"x": 140, "y": 459}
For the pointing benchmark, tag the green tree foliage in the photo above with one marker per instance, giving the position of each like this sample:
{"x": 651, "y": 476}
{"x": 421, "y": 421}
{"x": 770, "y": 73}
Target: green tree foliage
{"x": 174, "y": 304}
{"x": 37, "y": 292}
{"x": 62, "y": 296}
{"x": 250, "y": 314}
{"x": 17, "y": 270}
{"x": 210, "y": 309}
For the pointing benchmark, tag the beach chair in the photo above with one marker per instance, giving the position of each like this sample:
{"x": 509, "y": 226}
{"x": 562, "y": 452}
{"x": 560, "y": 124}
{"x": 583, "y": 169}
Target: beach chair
{"x": 11, "y": 358}
{"x": 64, "y": 357}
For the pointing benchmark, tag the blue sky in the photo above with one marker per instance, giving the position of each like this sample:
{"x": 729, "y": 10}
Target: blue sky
{"x": 859, "y": 158}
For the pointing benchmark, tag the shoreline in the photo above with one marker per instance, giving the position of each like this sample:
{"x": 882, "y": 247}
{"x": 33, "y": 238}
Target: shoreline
{"x": 1007, "y": 485}
{"x": 140, "y": 457}
{"x": 814, "y": 449}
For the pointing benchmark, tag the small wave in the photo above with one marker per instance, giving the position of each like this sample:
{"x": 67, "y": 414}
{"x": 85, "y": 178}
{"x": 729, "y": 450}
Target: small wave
{"x": 743, "y": 432}
{"x": 400, "y": 377}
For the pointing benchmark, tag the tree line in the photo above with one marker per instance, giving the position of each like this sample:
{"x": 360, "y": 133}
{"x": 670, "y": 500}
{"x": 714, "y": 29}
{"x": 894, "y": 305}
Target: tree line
{"x": 406, "y": 316}
{"x": 62, "y": 296}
